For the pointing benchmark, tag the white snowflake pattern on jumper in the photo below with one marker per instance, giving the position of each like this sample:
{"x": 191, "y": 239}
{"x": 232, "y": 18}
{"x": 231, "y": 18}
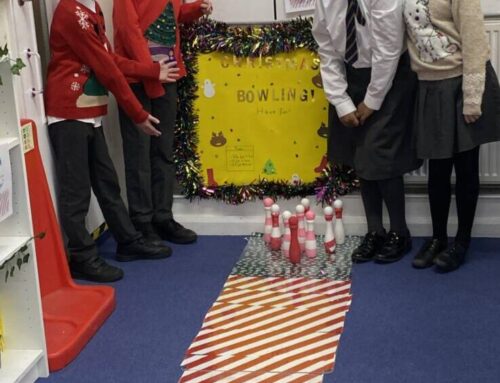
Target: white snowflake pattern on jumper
{"x": 75, "y": 86}
{"x": 432, "y": 44}
{"x": 83, "y": 19}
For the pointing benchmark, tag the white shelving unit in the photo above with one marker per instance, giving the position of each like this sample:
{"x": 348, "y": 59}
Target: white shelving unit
{"x": 24, "y": 358}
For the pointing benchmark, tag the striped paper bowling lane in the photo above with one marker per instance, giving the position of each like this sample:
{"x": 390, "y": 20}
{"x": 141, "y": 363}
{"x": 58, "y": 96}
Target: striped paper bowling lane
{"x": 292, "y": 285}
{"x": 232, "y": 316}
{"x": 270, "y": 330}
{"x": 275, "y": 298}
{"x": 247, "y": 377}
{"x": 309, "y": 359}
{"x": 273, "y": 341}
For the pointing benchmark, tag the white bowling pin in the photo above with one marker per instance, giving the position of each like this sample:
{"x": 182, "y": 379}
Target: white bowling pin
{"x": 285, "y": 244}
{"x": 275, "y": 232}
{"x": 268, "y": 223}
{"x": 339, "y": 224}
{"x": 311, "y": 248}
{"x": 307, "y": 205}
{"x": 299, "y": 212}
{"x": 330, "y": 243}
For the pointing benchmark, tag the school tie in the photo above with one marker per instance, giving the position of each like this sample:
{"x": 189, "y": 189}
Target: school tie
{"x": 353, "y": 14}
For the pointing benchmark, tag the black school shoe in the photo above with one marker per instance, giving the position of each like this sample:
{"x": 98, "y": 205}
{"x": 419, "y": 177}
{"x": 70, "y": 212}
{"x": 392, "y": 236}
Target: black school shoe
{"x": 95, "y": 269}
{"x": 174, "y": 232}
{"x": 371, "y": 244}
{"x": 428, "y": 253}
{"x": 452, "y": 258}
{"x": 141, "y": 249}
{"x": 395, "y": 247}
{"x": 149, "y": 233}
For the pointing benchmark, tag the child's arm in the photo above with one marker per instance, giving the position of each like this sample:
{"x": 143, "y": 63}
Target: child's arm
{"x": 475, "y": 52}
{"x": 333, "y": 72}
{"x": 84, "y": 42}
{"x": 387, "y": 41}
{"x": 190, "y": 12}
{"x": 136, "y": 69}
{"x": 126, "y": 26}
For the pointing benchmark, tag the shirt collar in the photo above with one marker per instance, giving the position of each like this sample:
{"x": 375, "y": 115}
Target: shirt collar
{"x": 90, "y": 4}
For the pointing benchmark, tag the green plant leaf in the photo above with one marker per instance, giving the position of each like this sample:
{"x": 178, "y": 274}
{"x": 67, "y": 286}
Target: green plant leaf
{"x": 1, "y": 82}
{"x": 14, "y": 69}
{"x": 6, "y": 275}
{"x": 12, "y": 271}
{"x": 26, "y": 258}
{"x": 20, "y": 63}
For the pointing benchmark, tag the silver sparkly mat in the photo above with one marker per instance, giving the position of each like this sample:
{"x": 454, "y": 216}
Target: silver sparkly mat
{"x": 258, "y": 260}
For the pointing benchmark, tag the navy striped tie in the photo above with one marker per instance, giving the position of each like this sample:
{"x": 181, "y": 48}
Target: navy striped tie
{"x": 351, "y": 47}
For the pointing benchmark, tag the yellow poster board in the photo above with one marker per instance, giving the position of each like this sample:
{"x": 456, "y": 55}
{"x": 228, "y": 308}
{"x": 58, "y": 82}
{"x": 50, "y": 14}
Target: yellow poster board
{"x": 260, "y": 118}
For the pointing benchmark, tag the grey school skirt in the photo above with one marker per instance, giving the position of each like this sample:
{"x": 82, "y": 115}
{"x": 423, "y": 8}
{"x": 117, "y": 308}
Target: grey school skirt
{"x": 441, "y": 130}
{"x": 383, "y": 147}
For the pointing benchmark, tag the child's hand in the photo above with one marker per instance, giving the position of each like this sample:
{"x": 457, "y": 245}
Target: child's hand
{"x": 363, "y": 113}
{"x": 471, "y": 118}
{"x": 206, "y": 7}
{"x": 147, "y": 126}
{"x": 350, "y": 120}
{"x": 169, "y": 72}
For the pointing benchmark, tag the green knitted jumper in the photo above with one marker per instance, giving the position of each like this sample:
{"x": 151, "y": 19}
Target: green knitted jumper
{"x": 163, "y": 29}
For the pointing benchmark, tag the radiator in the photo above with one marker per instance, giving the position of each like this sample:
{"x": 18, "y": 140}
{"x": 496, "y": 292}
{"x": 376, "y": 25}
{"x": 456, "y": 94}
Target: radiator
{"x": 489, "y": 165}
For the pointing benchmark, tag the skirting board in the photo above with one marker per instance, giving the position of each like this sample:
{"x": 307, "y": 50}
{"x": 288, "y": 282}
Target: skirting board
{"x": 208, "y": 217}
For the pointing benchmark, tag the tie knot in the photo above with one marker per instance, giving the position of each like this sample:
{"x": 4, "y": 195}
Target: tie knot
{"x": 354, "y": 10}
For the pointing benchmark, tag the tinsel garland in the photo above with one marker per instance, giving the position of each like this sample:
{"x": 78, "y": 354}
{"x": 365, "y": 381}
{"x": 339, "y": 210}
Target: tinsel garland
{"x": 249, "y": 41}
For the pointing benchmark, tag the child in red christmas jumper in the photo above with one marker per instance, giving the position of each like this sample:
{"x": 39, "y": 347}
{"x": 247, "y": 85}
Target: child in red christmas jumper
{"x": 148, "y": 31}
{"x": 81, "y": 71}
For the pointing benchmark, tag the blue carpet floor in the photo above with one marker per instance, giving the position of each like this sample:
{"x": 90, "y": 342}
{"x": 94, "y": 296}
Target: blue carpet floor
{"x": 405, "y": 325}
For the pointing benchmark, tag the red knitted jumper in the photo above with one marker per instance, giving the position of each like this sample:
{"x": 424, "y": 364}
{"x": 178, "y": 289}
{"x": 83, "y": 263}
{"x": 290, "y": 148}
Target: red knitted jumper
{"x": 83, "y": 67}
{"x": 131, "y": 19}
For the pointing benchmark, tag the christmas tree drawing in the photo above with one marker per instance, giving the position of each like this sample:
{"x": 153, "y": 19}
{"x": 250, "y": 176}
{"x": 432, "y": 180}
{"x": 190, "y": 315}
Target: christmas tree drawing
{"x": 269, "y": 168}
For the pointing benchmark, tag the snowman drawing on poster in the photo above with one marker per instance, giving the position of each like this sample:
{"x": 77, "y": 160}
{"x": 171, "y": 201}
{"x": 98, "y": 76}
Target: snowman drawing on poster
{"x": 208, "y": 89}
{"x": 430, "y": 42}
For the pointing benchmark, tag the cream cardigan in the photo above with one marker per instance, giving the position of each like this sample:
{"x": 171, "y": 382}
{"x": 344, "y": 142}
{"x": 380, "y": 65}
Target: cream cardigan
{"x": 447, "y": 38}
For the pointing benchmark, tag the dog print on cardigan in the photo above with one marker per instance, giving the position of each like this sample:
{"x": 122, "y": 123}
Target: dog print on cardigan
{"x": 431, "y": 43}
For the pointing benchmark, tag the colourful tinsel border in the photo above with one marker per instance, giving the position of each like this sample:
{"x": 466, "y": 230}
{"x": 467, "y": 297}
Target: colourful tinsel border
{"x": 244, "y": 41}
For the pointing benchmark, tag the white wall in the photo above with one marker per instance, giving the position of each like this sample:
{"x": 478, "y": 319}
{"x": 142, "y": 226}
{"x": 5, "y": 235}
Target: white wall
{"x": 491, "y": 7}
{"x": 244, "y": 11}
{"x": 263, "y": 10}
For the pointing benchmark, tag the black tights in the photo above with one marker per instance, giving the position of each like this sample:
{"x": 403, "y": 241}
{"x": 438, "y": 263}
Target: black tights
{"x": 466, "y": 192}
{"x": 390, "y": 191}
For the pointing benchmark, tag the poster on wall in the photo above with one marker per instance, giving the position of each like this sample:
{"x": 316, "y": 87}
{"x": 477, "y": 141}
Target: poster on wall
{"x": 5, "y": 183}
{"x": 253, "y": 116}
{"x": 262, "y": 117}
{"x": 292, "y": 6}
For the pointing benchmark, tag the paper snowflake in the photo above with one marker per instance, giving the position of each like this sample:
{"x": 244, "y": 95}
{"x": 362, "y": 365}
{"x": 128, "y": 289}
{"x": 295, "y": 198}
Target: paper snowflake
{"x": 83, "y": 19}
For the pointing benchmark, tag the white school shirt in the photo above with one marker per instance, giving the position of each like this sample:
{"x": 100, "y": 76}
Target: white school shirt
{"x": 96, "y": 121}
{"x": 380, "y": 44}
